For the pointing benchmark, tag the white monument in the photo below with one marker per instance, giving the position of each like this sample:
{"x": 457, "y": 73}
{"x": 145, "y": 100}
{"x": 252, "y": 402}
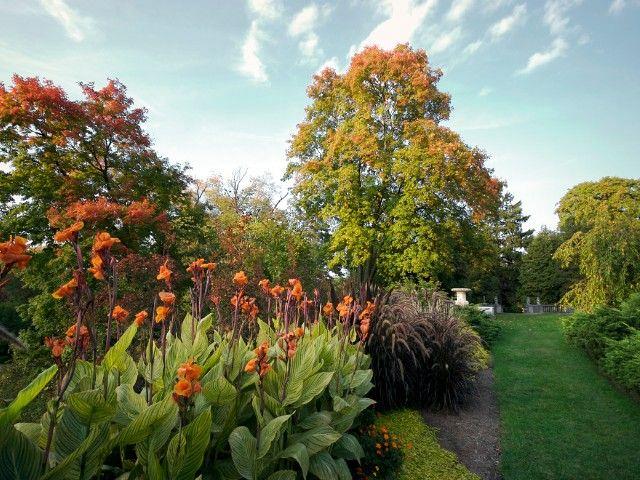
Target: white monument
{"x": 461, "y": 296}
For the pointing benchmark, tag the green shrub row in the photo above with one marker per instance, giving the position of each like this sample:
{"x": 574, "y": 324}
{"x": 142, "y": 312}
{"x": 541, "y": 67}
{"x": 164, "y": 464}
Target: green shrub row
{"x": 611, "y": 336}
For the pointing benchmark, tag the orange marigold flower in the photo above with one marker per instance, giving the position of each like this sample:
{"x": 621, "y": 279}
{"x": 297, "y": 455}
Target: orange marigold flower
{"x": 183, "y": 388}
{"x": 327, "y": 309}
{"x": 161, "y": 313}
{"x": 119, "y": 314}
{"x": 141, "y": 317}
{"x": 66, "y": 289}
{"x": 68, "y": 233}
{"x": 277, "y": 290}
{"x": 190, "y": 370}
{"x": 96, "y": 267}
{"x": 104, "y": 241}
{"x": 167, "y": 298}
{"x": 12, "y": 252}
{"x": 164, "y": 273}
{"x": 240, "y": 279}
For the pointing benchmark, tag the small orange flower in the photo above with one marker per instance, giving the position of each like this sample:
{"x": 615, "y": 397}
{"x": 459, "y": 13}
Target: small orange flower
{"x": 104, "y": 241}
{"x": 328, "y": 309}
{"x": 119, "y": 314}
{"x": 164, "y": 273}
{"x": 69, "y": 233}
{"x": 299, "y": 331}
{"x": 296, "y": 291}
{"x": 56, "y": 345}
{"x": 96, "y": 267}
{"x": 215, "y": 299}
{"x": 65, "y": 290}
{"x": 190, "y": 371}
{"x": 167, "y": 298}
{"x": 140, "y": 318}
{"x": 264, "y": 285}
{"x": 240, "y": 279}
{"x": 161, "y": 313}
{"x": 183, "y": 388}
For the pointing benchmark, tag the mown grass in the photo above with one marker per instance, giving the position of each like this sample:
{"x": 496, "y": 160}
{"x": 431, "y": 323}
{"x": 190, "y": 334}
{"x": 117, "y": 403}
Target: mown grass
{"x": 425, "y": 459}
{"x": 560, "y": 418}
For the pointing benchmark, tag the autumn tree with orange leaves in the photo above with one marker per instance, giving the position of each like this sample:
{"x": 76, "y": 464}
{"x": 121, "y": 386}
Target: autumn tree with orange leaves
{"x": 394, "y": 189}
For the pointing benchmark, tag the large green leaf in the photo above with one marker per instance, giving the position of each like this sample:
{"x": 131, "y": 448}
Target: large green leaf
{"x": 196, "y": 441}
{"x": 142, "y": 426}
{"x": 348, "y": 448}
{"x": 343, "y": 469}
{"x": 91, "y": 407}
{"x": 316, "y": 439}
{"x": 243, "y": 452}
{"x": 282, "y": 475}
{"x": 219, "y": 391}
{"x": 20, "y": 459}
{"x": 300, "y": 454}
{"x": 9, "y": 414}
{"x": 270, "y": 433}
{"x": 115, "y": 357}
{"x": 313, "y": 387}
{"x": 323, "y": 466}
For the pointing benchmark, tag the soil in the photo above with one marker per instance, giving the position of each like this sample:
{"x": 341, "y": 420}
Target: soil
{"x": 473, "y": 433}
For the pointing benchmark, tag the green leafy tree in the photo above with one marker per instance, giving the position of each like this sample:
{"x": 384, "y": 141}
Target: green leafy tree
{"x": 395, "y": 190}
{"x": 602, "y": 222}
{"x": 541, "y": 274}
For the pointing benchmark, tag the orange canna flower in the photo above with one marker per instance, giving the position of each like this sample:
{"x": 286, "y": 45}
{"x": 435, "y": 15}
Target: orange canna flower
{"x": 196, "y": 387}
{"x": 164, "y": 273}
{"x": 119, "y": 314}
{"x": 140, "y": 318}
{"x": 264, "y": 285}
{"x": 96, "y": 267}
{"x": 56, "y": 345}
{"x": 264, "y": 368}
{"x": 104, "y": 241}
{"x": 69, "y": 233}
{"x": 183, "y": 388}
{"x": 251, "y": 365}
{"x": 299, "y": 331}
{"x": 328, "y": 309}
{"x": 190, "y": 371}
{"x": 296, "y": 291}
{"x": 261, "y": 351}
{"x": 65, "y": 290}
{"x": 167, "y": 298}
{"x": 161, "y": 313}
{"x": 209, "y": 266}
{"x": 240, "y": 279}
{"x": 12, "y": 252}
{"x": 215, "y": 299}
{"x": 277, "y": 290}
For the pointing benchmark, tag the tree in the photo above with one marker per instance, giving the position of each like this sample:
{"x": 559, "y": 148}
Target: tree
{"x": 89, "y": 159}
{"x": 602, "y": 223}
{"x": 396, "y": 190}
{"x": 541, "y": 274}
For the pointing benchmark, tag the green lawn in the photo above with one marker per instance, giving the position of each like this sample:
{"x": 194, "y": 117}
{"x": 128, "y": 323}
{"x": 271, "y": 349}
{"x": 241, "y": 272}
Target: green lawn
{"x": 560, "y": 418}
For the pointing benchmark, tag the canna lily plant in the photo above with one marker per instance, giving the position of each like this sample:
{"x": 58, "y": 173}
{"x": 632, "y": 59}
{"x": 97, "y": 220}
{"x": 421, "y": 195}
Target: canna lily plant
{"x": 254, "y": 397}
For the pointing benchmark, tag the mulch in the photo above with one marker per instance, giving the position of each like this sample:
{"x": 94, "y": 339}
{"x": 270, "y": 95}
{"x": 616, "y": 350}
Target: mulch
{"x": 473, "y": 433}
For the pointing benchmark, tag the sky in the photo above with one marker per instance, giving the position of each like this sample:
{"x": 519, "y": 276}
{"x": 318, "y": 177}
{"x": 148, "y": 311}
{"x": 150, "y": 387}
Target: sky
{"x": 549, "y": 89}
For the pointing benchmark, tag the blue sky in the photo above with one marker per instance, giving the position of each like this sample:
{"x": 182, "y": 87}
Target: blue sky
{"x": 549, "y": 89}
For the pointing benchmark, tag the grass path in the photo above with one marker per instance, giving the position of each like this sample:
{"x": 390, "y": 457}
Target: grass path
{"x": 560, "y": 419}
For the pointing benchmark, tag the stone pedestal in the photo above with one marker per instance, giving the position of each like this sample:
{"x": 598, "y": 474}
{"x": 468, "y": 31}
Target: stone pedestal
{"x": 461, "y": 296}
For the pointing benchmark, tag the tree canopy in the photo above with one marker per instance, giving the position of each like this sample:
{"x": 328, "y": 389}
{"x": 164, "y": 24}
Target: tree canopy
{"x": 602, "y": 222}
{"x": 373, "y": 164}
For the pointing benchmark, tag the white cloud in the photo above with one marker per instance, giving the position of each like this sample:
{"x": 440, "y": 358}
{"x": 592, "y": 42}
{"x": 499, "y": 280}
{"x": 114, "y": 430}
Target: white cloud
{"x": 404, "y": 17}
{"x": 508, "y": 23}
{"x": 332, "y": 63}
{"x": 495, "y": 4}
{"x": 557, "y": 49}
{"x": 472, "y": 47}
{"x": 458, "y": 9}
{"x": 304, "y": 21}
{"x": 617, "y": 6}
{"x": 74, "y": 24}
{"x": 251, "y": 65}
{"x": 268, "y": 9}
{"x": 309, "y": 46}
{"x": 484, "y": 92}
{"x": 445, "y": 40}
{"x": 555, "y": 14}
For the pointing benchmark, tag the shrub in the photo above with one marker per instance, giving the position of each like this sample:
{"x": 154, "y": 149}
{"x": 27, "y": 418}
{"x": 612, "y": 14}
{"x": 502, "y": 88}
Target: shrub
{"x": 622, "y": 361}
{"x": 484, "y": 325}
{"x": 421, "y": 357}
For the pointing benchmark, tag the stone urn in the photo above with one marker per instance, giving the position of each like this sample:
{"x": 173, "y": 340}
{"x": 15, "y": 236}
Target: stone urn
{"x": 461, "y": 296}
